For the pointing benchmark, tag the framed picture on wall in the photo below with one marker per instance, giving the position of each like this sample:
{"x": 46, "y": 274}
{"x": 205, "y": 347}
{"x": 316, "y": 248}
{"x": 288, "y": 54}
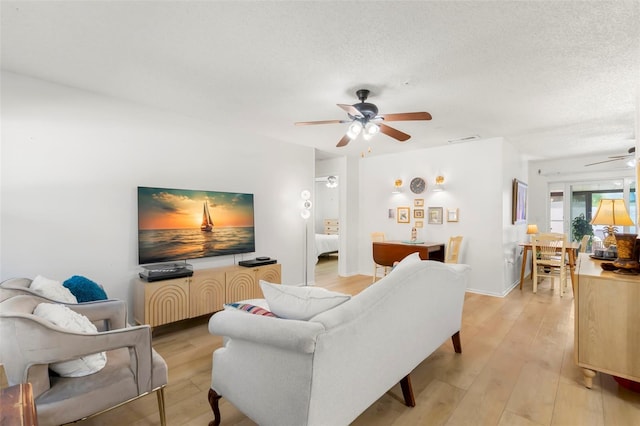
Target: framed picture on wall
{"x": 419, "y": 224}
{"x": 452, "y": 215}
{"x": 435, "y": 215}
{"x": 404, "y": 214}
{"x": 519, "y": 205}
{"x": 418, "y": 213}
{"x": 418, "y": 202}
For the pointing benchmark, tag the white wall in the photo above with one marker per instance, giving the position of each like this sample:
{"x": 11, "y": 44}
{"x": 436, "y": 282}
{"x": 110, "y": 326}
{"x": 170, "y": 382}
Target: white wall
{"x": 71, "y": 163}
{"x": 476, "y": 182}
{"x": 513, "y": 167}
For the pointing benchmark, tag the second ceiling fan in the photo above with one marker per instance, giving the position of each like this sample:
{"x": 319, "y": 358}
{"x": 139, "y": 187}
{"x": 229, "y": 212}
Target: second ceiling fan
{"x": 631, "y": 154}
{"x": 364, "y": 118}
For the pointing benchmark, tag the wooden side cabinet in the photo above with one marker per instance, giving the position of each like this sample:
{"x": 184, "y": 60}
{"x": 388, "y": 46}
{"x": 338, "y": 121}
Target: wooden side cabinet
{"x": 607, "y": 322}
{"x": 162, "y": 302}
{"x": 331, "y": 226}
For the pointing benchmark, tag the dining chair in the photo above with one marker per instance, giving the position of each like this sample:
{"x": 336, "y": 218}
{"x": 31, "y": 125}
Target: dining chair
{"x": 453, "y": 249}
{"x": 550, "y": 259}
{"x": 378, "y": 237}
{"x": 584, "y": 243}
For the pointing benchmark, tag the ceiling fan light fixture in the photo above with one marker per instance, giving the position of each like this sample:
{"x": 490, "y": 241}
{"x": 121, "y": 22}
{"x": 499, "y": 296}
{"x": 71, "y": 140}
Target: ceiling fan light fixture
{"x": 370, "y": 130}
{"x": 355, "y": 129}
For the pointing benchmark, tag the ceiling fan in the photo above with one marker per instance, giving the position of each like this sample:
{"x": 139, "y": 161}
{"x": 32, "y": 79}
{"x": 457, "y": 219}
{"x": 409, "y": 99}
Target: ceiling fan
{"x": 364, "y": 118}
{"x": 631, "y": 154}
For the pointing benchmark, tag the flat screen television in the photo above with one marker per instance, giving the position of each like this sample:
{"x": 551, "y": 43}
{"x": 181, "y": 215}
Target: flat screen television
{"x": 181, "y": 224}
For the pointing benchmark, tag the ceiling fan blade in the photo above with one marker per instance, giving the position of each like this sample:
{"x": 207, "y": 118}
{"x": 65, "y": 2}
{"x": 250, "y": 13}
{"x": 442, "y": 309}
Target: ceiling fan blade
{"x": 394, "y": 133}
{"x": 407, "y": 116}
{"x": 605, "y": 161}
{"x": 350, "y": 109}
{"x": 307, "y": 123}
{"x": 344, "y": 141}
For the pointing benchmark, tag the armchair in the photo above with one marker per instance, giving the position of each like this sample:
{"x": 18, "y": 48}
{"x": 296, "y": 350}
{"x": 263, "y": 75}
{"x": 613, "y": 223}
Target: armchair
{"x": 31, "y": 343}
{"x": 109, "y": 313}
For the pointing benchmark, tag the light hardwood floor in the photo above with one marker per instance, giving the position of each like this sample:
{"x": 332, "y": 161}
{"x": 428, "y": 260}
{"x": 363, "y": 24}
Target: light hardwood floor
{"x": 516, "y": 368}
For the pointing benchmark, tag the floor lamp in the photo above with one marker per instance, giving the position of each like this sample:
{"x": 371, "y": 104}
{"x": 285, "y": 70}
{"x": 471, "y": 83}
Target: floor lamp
{"x": 306, "y": 214}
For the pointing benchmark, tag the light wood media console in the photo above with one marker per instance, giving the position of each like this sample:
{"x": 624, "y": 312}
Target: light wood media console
{"x": 162, "y": 302}
{"x": 607, "y": 322}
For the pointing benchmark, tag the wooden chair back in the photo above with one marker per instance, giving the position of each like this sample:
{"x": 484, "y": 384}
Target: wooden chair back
{"x": 453, "y": 249}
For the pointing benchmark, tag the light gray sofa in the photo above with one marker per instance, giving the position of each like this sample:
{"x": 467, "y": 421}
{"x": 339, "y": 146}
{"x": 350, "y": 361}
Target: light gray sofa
{"x": 329, "y": 369}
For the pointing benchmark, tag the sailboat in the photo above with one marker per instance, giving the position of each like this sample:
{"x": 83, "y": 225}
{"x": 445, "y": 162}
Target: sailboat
{"x": 207, "y": 223}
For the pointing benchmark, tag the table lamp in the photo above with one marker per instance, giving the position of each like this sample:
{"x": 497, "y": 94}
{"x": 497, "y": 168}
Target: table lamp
{"x": 532, "y": 229}
{"x": 612, "y": 213}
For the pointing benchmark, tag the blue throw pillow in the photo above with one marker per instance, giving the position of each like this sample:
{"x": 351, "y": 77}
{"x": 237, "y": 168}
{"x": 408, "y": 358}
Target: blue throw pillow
{"x": 84, "y": 289}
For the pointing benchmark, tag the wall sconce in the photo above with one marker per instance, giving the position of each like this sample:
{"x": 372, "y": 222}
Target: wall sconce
{"x": 439, "y": 186}
{"x": 397, "y": 186}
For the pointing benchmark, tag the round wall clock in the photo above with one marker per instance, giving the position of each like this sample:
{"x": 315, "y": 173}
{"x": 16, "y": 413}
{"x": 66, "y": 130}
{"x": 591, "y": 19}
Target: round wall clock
{"x": 418, "y": 185}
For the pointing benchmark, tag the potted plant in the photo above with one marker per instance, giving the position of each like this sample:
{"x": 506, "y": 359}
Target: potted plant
{"x": 580, "y": 227}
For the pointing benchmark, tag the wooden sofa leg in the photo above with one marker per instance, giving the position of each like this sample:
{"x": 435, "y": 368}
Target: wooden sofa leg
{"x": 214, "y": 398}
{"x": 407, "y": 391}
{"x": 457, "y": 346}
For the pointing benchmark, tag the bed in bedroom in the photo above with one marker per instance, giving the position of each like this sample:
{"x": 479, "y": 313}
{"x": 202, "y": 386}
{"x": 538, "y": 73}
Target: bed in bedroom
{"x": 328, "y": 242}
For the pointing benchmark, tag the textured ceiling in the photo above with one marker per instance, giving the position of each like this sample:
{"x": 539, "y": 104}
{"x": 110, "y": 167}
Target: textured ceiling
{"x": 555, "y": 78}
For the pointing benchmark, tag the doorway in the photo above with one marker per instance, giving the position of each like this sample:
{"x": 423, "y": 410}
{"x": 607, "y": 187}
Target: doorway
{"x": 327, "y": 227}
{"x": 583, "y": 198}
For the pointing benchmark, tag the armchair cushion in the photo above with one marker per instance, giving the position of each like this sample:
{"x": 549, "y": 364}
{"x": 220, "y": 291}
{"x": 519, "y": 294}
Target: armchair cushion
{"x": 84, "y": 289}
{"x": 65, "y": 318}
{"x": 300, "y": 303}
{"x": 52, "y": 289}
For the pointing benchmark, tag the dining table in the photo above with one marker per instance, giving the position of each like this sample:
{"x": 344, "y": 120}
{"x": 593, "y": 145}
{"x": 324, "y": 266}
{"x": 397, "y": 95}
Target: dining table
{"x": 387, "y": 253}
{"x": 572, "y": 252}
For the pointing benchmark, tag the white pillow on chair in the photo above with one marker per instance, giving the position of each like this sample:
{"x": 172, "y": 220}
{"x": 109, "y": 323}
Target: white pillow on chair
{"x": 52, "y": 289}
{"x": 70, "y": 320}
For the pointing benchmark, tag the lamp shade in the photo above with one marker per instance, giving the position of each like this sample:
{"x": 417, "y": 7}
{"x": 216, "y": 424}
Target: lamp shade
{"x": 612, "y": 212}
{"x": 532, "y": 229}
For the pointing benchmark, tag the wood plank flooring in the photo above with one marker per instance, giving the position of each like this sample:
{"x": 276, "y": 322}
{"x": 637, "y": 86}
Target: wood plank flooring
{"x": 516, "y": 368}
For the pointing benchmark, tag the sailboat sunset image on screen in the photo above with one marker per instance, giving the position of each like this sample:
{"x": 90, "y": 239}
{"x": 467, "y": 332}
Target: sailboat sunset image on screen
{"x": 181, "y": 224}
{"x": 207, "y": 223}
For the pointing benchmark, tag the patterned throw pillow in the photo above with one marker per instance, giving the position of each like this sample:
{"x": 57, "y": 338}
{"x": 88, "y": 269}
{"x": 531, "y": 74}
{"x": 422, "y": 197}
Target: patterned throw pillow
{"x": 252, "y": 309}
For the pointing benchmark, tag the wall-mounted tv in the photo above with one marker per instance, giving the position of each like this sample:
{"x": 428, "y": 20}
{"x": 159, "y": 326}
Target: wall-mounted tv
{"x": 181, "y": 224}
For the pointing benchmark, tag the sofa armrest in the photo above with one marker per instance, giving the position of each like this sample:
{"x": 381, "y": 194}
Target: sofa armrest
{"x": 293, "y": 335}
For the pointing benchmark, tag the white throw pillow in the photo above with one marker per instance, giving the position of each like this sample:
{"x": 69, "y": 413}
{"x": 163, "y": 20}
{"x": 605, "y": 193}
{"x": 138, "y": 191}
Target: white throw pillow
{"x": 300, "y": 303}
{"x": 52, "y": 289}
{"x": 65, "y": 318}
{"x": 410, "y": 259}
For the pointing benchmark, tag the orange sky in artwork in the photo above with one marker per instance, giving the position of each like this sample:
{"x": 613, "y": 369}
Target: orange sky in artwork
{"x": 163, "y": 210}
